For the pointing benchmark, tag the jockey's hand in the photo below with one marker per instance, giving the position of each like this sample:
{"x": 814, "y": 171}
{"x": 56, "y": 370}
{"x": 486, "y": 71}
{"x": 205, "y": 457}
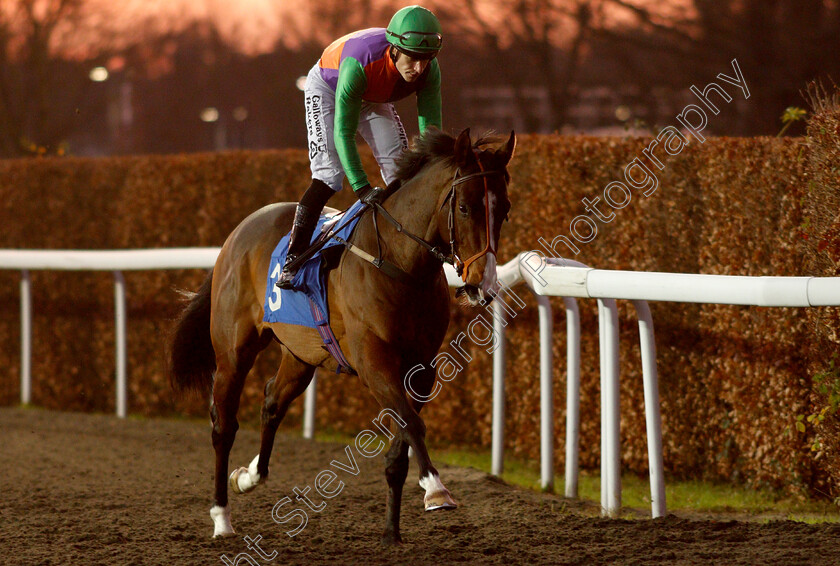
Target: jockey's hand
{"x": 370, "y": 195}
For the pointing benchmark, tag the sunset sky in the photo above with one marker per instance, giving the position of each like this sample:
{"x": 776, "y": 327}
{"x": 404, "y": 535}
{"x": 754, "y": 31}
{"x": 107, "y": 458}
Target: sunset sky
{"x": 256, "y": 25}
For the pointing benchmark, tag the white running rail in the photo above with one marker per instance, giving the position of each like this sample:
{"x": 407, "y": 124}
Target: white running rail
{"x": 522, "y": 269}
{"x": 571, "y": 279}
{"x": 94, "y": 260}
{"x": 561, "y": 278}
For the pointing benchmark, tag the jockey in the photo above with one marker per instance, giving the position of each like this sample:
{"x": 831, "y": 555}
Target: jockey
{"x": 351, "y": 89}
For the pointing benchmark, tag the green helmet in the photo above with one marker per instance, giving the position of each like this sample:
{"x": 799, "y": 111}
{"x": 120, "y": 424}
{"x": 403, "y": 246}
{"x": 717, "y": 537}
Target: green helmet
{"x": 416, "y": 31}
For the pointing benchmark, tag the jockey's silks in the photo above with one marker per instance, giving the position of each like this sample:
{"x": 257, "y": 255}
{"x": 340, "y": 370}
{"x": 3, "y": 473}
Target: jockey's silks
{"x": 359, "y": 68}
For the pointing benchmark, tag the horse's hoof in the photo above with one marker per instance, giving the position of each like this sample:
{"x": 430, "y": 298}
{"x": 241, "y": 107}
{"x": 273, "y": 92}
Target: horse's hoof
{"x": 244, "y": 480}
{"x": 233, "y": 481}
{"x": 439, "y": 500}
{"x": 222, "y": 527}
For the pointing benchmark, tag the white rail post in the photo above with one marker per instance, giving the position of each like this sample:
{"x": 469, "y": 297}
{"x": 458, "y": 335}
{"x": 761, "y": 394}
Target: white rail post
{"x": 25, "y": 338}
{"x": 497, "y": 456}
{"x": 610, "y": 411}
{"x": 546, "y": 395}
{"x": 120, "y": 315}
{"x": 602, "y": 351}
{"x": 309, "y": 409}
{"x": 572, "y": 396}
{"x": 653, "y": 419}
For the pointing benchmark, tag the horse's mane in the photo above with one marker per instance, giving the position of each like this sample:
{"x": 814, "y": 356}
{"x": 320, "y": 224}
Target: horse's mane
{"x": 431, "y": 146}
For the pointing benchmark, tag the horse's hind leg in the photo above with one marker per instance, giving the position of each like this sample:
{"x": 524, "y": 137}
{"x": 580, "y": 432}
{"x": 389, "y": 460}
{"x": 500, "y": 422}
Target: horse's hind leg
{"x": 232, "y": 366}
{"x": 291, "y": 380}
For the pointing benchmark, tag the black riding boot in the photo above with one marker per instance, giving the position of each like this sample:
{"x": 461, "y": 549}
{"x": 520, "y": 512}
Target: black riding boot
{"x": 304, "y": 225}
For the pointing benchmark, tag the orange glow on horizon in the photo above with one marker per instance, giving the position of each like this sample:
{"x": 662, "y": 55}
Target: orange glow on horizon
{"x": 254, "y": 26}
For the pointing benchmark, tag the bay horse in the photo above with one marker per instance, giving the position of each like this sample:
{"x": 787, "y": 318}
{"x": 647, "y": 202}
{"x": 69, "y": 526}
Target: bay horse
{"x": 454, "y": 198}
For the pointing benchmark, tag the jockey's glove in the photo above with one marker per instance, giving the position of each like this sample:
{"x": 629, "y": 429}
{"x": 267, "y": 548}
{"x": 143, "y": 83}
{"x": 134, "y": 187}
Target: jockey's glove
{"x": 370, "y": 195}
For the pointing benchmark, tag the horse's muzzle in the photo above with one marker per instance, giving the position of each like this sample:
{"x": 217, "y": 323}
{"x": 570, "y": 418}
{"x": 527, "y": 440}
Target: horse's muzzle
{"x": 472, "y": 296}
{"x": 482, "y": 292}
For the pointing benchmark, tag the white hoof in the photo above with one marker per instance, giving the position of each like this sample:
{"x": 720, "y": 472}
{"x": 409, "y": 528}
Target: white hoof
{"x": 243, "y": 480}
{"x": 221, "y": 522}
{"x": 437, "y": 496}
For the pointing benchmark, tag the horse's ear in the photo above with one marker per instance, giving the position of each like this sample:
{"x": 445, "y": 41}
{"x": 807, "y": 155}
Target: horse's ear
{"x": 510, "y": 149}
{"x": 464, "y": 154}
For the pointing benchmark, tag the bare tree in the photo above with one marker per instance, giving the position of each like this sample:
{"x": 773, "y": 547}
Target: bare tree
{"x": 47, "y": 49}
{"x": 314, "y": 24}
{"x": 534, "y": 43}
{"x": 780, "y": 46}
{"x": 30, "y": 74}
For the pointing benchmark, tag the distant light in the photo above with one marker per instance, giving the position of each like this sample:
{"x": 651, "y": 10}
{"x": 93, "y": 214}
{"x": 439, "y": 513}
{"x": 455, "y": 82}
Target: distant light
{"x": 300, "y": 83}
{"x": 209, "y": 115}
{"x": 240, "y": 113}
{"x": 98, "y": 74}
{"x": 622, "y": 113}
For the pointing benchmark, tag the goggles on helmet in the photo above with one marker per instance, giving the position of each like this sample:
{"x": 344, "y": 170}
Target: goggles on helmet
{"x": 417, "y": 41}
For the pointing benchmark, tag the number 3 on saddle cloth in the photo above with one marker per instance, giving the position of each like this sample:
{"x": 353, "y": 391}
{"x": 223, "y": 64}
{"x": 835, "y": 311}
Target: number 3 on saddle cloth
{"x": 307, "y": 305}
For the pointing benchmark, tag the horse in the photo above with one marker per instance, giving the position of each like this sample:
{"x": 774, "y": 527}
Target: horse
{"x": 452, "y": 201}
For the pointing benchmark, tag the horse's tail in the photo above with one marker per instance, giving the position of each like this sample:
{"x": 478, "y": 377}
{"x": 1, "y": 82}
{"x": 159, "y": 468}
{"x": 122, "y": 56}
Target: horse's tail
{"x": 192, "y": 360}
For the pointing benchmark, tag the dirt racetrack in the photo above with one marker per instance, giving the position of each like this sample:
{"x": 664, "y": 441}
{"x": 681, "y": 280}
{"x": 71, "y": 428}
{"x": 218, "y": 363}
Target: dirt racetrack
{"x": 94, "y": 489}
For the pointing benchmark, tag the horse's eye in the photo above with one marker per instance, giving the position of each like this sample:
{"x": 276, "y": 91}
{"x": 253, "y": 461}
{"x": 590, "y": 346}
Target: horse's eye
{"x": 463, "y": 208}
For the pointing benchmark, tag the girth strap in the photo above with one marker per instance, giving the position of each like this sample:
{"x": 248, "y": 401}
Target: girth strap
{"x": 330, "y": 342}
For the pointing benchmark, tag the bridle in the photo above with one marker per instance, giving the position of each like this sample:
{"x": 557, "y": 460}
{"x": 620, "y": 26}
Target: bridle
{"x": 461, "y": 266}
{"x": 452, "y": 258}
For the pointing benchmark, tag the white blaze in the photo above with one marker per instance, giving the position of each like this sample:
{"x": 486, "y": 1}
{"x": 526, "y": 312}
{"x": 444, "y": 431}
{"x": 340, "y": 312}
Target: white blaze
{"x": 488, "y": 280}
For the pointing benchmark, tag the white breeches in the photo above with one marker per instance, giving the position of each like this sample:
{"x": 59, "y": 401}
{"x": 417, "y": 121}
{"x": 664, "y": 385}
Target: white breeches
{"x": 379, "y": 125}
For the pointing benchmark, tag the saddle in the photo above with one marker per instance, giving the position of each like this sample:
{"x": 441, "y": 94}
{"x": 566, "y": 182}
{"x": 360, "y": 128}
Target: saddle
{"x": 307, "y": 304}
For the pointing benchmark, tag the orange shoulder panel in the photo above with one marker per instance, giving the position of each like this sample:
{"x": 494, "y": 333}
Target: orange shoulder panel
{"x": 331, "y": 58}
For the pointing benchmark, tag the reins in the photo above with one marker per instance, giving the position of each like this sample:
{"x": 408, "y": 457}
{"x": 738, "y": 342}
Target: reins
{"x": 452, "y": 258}
{"x": 387, "y": 267}
{"x": 399, "y": 227}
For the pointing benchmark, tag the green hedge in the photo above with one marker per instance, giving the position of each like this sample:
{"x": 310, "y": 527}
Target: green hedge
{"x": 733, "y": 380}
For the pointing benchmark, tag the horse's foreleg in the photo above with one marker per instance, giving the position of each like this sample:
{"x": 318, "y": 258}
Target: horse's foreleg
{"x": 437, "y": 496}
{"x": 414, "y": 433}
{"x": 291, "y": 380}
{"x": 396, "y": 470}
{"x": 384, "y": 378}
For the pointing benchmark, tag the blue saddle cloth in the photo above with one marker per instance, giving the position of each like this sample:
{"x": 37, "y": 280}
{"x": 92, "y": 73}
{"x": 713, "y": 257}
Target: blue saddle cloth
{"x": 293, "y": 306}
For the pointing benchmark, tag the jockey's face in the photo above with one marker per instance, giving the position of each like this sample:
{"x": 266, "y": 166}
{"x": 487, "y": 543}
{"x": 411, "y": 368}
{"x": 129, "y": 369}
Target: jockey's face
{"x": 410, "y": 68}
